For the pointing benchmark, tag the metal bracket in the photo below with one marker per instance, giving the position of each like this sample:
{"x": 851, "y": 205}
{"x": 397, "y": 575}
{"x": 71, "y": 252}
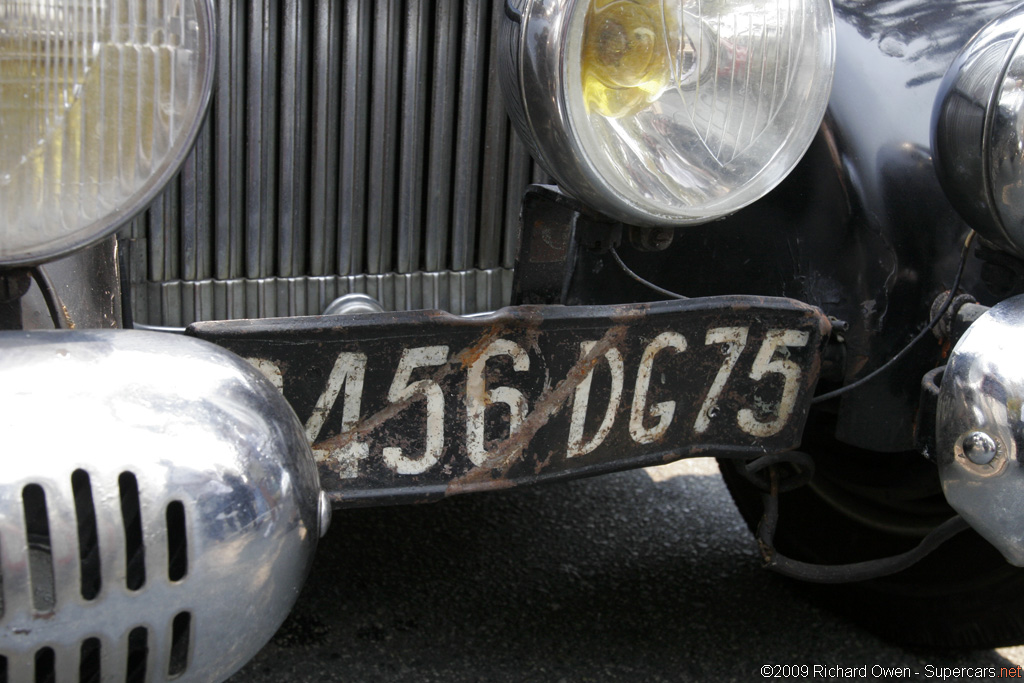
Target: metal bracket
{"x": 552, "y": 227}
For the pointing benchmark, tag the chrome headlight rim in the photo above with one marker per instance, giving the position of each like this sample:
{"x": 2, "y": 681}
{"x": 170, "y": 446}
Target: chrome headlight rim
{"x": 95, "y": 231}
{"x": 975, "y": 140}
{"x": 538, "y": 95}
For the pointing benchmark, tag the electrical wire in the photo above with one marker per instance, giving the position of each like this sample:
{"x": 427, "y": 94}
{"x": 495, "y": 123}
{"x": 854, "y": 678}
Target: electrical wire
{"x": 841, "y": 573}
{"x": 646, "y": 283}
{"x": 877, "y": 371}
{"x": 913, "y": 342}
{"x": 54, "y": 305}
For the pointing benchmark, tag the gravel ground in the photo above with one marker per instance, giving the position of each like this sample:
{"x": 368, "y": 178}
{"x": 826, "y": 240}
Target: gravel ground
{"x": 647, "y": 575}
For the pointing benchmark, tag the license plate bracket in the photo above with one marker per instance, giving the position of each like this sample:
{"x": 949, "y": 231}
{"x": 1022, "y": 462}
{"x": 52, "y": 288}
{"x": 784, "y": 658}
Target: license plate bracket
{"x": 414, "y": 406}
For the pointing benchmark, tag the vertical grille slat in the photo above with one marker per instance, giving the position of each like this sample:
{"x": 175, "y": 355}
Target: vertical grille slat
{"x": 227, "y": 119}
{"x": 412, "y": 170}
{"x": 354, "y": 129}
{"x": 261, "y": 142}
{"x": 467, "y": 150}
{"x": 442, "y": 134}
{"x": 495, "y": 161}
{"x": 294, "y": 145}
{"x": 323, "y": 217}
{"x": 384, "y": 121}
{"x": 345, "y": 139}
{"x": 196, "y": 198}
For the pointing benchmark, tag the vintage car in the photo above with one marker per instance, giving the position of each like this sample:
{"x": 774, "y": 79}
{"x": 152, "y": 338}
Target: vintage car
{"x": 261, "y": 261}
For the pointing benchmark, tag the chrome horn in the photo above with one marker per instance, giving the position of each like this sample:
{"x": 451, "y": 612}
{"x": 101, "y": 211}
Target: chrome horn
{"x": 159, "y": 508}
{"x": 980, "y": 428}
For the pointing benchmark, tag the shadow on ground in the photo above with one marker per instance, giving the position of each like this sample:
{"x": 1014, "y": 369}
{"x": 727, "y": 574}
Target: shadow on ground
{"x": 619, "y": 578}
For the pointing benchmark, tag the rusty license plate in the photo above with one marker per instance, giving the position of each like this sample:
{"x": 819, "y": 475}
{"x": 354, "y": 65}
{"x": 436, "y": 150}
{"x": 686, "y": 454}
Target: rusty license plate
{"x": 414, "y": 406}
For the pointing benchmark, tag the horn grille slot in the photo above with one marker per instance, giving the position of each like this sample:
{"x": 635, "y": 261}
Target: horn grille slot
{"x": 88, "y": 545}
{"x": 177, "y": 545}
{"x": 138, "y": 652}
{"x": 135, "y": 557}
{"x": 40, "y": 560}
{"x": 89, "y": 661}
{"x": 181, "y": 634}
{"x": 45, "y": 672}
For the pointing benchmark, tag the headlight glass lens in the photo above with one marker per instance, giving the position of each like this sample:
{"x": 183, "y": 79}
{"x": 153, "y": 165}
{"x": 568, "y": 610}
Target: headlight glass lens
{"x": 99, "y": 102}
{"x": 688, "y": 110}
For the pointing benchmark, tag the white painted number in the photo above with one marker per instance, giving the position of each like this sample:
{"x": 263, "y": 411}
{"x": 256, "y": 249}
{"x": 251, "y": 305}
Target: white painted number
{"x": 766, "y": 363}
{"x": 664, "y": 410}
{"x": 581, "y": 402}
{"x": 736, "y": 338}
{"x": 401, "y": 390}
{"x": 347, "y": 378}
{"x": 478, "y": 397}
{"x": 348, "y": 372}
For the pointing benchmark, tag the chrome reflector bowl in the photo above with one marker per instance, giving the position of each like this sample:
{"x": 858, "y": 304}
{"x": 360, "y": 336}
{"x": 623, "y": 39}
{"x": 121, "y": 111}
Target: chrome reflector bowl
{"x": 978, "y": 131}
{"x": 159, "y": 508}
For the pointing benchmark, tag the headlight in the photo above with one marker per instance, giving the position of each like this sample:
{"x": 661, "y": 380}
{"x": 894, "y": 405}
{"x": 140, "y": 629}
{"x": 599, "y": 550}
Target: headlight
{"x": 977, "y": 132}
{"x": 666, "y": 112}
{"x": 99, "y": 103}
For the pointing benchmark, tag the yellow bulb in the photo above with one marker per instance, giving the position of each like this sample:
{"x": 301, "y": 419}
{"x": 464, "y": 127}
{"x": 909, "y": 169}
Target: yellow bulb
{"x": 625, "y": 59}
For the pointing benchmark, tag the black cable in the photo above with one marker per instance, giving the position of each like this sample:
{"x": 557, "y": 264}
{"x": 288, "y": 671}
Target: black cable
{"x": 645, "y": 283}
{"x": 913, "y": 342}
{"x": 870, "y": 569}
{"x": 50, "y": 296}
{"x": 841, "y": 573}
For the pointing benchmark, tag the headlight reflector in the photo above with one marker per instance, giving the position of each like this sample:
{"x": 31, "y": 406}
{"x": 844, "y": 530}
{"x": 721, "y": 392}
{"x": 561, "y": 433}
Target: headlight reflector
{"x": 669, "y": 111}
{"x": 99, "y": 103}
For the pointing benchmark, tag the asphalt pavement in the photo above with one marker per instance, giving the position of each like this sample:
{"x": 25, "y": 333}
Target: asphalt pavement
{"x": 648, "y": 575}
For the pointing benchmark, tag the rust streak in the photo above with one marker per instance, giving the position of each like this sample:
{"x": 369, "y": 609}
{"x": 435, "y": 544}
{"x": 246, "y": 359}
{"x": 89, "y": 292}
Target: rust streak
{"x": 365, "y": 426}
{"x": 510, "y": 451}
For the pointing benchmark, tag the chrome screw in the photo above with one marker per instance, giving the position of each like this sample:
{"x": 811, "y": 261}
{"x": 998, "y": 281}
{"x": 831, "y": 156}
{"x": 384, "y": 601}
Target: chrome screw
{"x": 979, "y": 447}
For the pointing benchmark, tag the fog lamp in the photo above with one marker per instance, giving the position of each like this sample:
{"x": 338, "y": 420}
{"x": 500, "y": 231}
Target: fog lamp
{"x": 100, "y": 101}
{"x": 667, "y": 112}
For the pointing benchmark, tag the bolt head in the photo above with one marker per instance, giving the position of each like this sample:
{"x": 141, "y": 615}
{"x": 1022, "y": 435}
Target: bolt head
{"x": 979, "y": 447}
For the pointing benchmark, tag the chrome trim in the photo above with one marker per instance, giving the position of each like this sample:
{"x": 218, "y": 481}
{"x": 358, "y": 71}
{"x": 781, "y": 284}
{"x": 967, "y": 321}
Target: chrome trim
{"x": 352, "y": 304}
{"x": 980, "y": 428}
{"x": 190, "y": 428}
{"x": 976, "y": 131}
{"x": 179, "y": 303}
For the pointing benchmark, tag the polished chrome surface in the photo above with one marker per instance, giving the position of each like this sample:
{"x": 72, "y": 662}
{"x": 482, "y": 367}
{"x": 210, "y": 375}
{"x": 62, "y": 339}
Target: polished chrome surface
{"x": 978, "y": 119}
{"x": 980, "y": 428}
{"x": 179, "y": 303}
{"x": 348, "y": 304}
{"x": 344, "y": 139}
{"x": 659, "y": 166}
{"x": 148, "y": 477}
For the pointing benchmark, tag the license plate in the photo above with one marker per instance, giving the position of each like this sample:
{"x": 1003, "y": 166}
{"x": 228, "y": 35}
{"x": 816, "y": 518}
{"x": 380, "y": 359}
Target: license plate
{"x": 418, "y": 405}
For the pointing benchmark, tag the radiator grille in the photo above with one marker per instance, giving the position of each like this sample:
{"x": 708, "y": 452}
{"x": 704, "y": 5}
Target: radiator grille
{"x": 357, "y": 143}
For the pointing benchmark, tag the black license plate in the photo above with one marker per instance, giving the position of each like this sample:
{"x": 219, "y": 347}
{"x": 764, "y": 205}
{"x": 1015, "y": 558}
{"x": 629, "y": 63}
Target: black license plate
{"x": 418, "y": 405}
